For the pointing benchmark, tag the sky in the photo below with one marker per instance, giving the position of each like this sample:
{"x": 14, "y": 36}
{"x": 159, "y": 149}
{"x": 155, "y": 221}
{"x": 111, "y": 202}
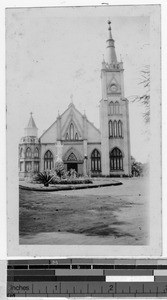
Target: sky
{"x": 53, "y": 53}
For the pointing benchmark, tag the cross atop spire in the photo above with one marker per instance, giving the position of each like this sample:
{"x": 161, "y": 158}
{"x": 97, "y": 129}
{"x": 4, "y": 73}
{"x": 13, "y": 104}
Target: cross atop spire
{"x": 109, "y": 28}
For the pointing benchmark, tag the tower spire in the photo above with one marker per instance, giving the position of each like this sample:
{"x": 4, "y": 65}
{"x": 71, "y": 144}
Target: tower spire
{"x": 111, "y": 54}
{"x": 31, "y": 129}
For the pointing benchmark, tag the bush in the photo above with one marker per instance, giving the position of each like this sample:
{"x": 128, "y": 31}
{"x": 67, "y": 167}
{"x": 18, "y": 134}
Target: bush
{"x": 44, "y": 177}
{"x": 72, "y": 173}
{"x": 54, "y": 177}
{"x": 59, "y": 168}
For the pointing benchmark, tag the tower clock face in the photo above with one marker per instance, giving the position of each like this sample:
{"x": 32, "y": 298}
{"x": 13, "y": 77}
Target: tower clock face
{"x": 113, "y": 88}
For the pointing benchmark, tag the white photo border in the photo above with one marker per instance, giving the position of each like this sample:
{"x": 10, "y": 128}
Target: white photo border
{"x": 155, "y": 246}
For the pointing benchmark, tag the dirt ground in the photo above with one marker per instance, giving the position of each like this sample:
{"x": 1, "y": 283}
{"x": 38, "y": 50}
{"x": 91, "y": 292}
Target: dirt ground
{"x": 115, "y": 215}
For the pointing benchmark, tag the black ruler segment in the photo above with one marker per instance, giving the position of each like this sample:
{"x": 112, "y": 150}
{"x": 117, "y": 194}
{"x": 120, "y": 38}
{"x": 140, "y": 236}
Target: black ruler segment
{"x": 87, "y": 278}
{"x": 49, "y": 267}
{"x": 31, "y": 272}
{"x": 160, "y": 267}
{"x": 56, "y": 278}
{"x": 19, "y": 267}
{"x": 125, "y": 267}
{"x": 81, "y": 266}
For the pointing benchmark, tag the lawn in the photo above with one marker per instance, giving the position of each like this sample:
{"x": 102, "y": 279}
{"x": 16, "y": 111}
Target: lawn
{"x": 106, "y": 215}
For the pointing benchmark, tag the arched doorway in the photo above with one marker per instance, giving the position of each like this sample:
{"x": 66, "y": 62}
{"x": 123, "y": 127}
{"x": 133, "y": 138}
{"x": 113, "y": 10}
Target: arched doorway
{"x": 72, "y": 162}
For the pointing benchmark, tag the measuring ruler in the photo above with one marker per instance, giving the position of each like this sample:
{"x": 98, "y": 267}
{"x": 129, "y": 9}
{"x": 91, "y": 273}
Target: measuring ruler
{"x": 87, "y": 277}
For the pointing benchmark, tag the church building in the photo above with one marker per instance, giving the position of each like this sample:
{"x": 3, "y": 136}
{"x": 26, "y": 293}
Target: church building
{"x": 75, "y": 140}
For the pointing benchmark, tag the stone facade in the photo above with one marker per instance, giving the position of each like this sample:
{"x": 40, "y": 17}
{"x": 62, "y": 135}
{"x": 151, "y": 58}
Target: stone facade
{"x": 75, "y": 140}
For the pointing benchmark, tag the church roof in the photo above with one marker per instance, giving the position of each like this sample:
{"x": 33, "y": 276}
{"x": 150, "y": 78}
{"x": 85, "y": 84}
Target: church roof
{"x": 73, "y": 107}
{"x": 72, "y": 110}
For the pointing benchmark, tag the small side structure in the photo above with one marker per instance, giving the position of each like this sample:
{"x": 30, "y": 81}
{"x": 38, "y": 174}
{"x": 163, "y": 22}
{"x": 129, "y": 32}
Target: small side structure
{"x": 29, "y": 151}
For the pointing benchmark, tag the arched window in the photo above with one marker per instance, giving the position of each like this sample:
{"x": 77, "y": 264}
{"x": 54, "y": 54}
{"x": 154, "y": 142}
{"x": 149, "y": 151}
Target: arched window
{"x": 110, "y": 128}
{"x": 28, "y": 166}
{"x": 76, "y": 136}
{"x": 119, "y": 128}
{"x": 21, "y": 152}
{"x": 48, "y": 160}
{"x": 72, "y": 157}
{"x": 71, "y": 131}
{"x": 95, "y": 161}
{"x": 111, "y": 108}
{"x": 115, "y": 128}
{"x": 67, "y": 136}
{"x": 116, "y": 160}
{"x": 36, "y": 153}
{"x": 21, "y": 166}
{"x": 28, "y": 153}
{"x": 117, "y": 108}
{"x": 36, "y": 166}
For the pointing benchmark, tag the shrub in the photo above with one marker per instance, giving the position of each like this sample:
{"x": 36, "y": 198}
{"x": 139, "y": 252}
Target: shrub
{"x": 72, "y": 173}
{"x": 59, "y": 168}
{"x": 51, "y": 177}
{"x": 44, "y": 177}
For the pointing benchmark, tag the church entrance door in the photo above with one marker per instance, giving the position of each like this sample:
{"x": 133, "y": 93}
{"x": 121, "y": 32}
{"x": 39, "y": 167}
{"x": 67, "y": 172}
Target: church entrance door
{"x": 72, "y": 166}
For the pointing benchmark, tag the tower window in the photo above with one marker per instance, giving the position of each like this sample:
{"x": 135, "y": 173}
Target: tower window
{"x": 48, "y": 160}
{"x": 28, "y": 166}
{"x": 110, "y": 129}
{"x": 36, "y": 153}
{"x": 28, "y": 153}
{"x": 96, "y": 161}
{"x": 114, "y": 108}
{"x": 76, "y": 136}
{"x": 119, "y": 128}
{"x": 116, "y": 160}
{"x": 115, "y": 128}
{"x": 21, "y": 152}
{"x": 21, "y": 166}
{"x": 67, "y": 136}
{"x": 117, "y": 108}
{"x": 36, "y": 166}
{"x": 111, "y": 108}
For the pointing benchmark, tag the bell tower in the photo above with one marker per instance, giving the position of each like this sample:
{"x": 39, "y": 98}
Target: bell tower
{"x": 29, "y": 150}
{"x": 114, "y": 115}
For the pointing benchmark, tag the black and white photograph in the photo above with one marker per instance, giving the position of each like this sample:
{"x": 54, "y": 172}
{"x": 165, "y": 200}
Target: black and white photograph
{"x": 83, "y": 99}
